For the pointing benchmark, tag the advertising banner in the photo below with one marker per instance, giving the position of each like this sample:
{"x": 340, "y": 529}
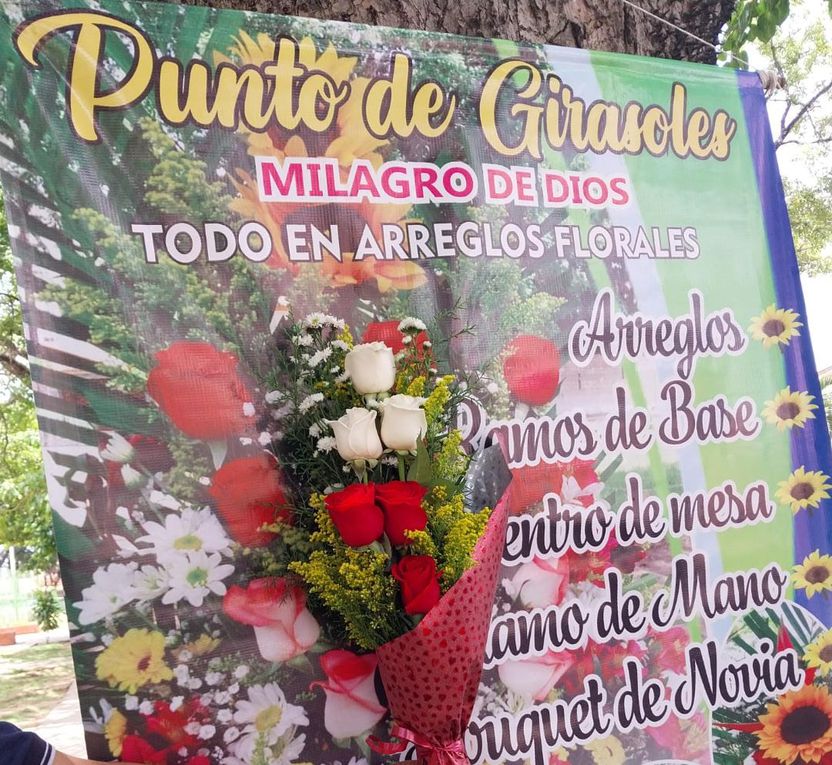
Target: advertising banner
{"x": 598, "y": 244}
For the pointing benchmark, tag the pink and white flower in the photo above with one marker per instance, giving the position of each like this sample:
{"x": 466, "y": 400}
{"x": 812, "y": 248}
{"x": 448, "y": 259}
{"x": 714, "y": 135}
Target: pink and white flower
{"x": 535, "y": 677}
{"x": 283, "y": 626}
{"x": 539, "y": 583}
{"x": 352, "y": 706}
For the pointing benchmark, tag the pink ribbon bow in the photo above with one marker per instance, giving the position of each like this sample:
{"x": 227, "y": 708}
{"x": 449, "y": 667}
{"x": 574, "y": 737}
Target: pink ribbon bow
{"x": 431, "y": 752}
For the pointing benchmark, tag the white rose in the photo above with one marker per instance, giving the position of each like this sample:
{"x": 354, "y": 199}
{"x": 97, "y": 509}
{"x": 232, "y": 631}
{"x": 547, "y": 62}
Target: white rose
{"x": 356, "y": 437}
{"x": 371, "y": 367}
{"x": 403, "y": 422}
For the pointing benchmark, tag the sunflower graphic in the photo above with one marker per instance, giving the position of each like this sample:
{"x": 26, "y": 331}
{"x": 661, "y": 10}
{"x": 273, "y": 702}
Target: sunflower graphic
{"x": 346, "y": 141}
{"x": 819, "y": 653}
{"x": 814, "y": 574}
{"x": 789, "y": 408}
{"x": 803, "y": 489}
{"x": 775, "y": 326}
{"x": 797, "y": 728}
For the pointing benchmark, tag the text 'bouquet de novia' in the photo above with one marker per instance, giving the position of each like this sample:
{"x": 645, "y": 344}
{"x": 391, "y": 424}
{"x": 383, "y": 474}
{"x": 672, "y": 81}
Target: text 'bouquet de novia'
{"x": 392, "y": 558}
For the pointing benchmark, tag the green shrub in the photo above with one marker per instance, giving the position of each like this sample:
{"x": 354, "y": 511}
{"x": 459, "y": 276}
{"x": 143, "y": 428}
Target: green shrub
{"x": 46, "y": 609}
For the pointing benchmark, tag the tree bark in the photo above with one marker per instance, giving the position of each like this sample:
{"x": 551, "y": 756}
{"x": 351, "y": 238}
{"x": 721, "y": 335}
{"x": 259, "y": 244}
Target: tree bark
{"x": 595, "y": 24}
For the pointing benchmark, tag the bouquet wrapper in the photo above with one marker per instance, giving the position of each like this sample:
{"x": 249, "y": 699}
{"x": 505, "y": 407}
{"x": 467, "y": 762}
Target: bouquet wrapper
{"x": 431, "y": 674}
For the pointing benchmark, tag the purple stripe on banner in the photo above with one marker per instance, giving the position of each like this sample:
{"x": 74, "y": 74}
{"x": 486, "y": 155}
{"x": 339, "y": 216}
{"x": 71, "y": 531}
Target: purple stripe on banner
{"x": 810, "y": 445}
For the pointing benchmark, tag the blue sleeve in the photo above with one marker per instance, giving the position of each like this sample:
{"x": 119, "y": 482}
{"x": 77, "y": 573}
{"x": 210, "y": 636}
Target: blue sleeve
{"x": 19, "y": 748}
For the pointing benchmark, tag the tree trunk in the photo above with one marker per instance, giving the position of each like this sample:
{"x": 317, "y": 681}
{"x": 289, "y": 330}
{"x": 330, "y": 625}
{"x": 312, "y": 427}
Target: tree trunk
{"x": 596, "y": 24}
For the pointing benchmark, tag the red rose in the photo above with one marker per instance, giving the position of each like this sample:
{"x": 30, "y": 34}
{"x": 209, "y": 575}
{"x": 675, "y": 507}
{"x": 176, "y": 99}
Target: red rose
{"x": 419, "y": 581}
{"x": 248, "y": 494}
{"x": 198, "y": 387}
{"x": 531, "y": 366}
{"x": 355, "y": 514}
{"x": 387, "y": 332}
{"x": 401, "y": 502}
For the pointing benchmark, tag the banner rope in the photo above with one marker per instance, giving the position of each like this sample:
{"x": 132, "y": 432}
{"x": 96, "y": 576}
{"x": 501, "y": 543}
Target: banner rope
{"x": 771, "y": 80}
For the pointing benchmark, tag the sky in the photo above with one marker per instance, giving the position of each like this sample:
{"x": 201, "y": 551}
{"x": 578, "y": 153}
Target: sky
{"x": 795, "y": 164}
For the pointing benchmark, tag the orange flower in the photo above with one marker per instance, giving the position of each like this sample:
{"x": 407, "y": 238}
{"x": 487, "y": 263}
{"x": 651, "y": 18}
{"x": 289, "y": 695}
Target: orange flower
{"x": 347, "y": 141}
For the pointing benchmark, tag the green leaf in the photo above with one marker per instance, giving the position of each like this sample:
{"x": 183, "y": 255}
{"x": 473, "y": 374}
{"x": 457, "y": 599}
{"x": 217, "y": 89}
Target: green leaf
{"x": 117, "y": 411}
{"x": 420, "y": 471}
{"x": 71, "y": 541}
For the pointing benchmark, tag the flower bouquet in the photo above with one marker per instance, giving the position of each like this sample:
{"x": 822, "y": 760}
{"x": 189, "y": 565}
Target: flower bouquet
{"x": 384, "y": 541}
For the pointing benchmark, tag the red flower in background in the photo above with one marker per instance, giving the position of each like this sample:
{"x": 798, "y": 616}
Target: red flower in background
{"x": 355, "y": 514}
{"x": 198, "y": 387}
{"x": 419, "y": 581}
{"x": 283, "y": 626}
{"x": 170, "y": 724}
{"x": 387, "y": 332}
{"x": 668, "y": 648}
{"x": 136, "y": 749}
{"x": 574, "y": 482}
{"x": 531, "y": 366}
{"x": 401, "y": 502}
{"x": 151, "y": 453}
{"x": 248, "y": 494}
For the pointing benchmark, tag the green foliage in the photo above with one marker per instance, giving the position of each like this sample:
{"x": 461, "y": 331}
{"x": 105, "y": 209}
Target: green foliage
{"x": 46, "y": 609}
{"x": 810, "y": 211}
{"x": 25, "y": 518}
{"x": 752, "y": 21}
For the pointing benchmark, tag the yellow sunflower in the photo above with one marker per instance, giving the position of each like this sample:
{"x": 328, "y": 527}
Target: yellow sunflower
{"x": 789, "y": 408}
{"x": 814, "y": 574}
{"x": 803, "y": 489}
{"x": 115, "y": 729}
{"x": 133, "y": 660}
{"x": 819, "y": 653}
{"x": 775, "y": 326}
{"x": 798, "y": 726}
{"x": 607, "y": 751}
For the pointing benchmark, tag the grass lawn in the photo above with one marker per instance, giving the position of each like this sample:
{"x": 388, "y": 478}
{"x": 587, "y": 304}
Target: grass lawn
{"x": 32, "y": 681}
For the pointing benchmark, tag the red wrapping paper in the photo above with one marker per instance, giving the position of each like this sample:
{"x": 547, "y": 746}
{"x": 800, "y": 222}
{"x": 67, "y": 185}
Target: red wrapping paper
{"x": 431, "y": 674}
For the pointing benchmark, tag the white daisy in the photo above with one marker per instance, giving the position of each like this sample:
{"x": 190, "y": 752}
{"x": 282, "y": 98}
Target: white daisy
{"x": 318, "y": 319}
{"x": 309, "y": 402}
{"x": 195, "y": 575}
{"x": 412, "y": 324}
{"x": 190, "y": 531}
{"x": 325, "y": 444}
{"x": 150, "y": 582}
{"x": 268, "y": 725}
{"x": 112, "y": 588}
{"x": 319, "y": 357}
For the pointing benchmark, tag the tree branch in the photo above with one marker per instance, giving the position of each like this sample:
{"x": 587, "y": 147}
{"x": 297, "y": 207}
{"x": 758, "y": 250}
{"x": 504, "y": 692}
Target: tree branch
{"x": 787, "y": 128}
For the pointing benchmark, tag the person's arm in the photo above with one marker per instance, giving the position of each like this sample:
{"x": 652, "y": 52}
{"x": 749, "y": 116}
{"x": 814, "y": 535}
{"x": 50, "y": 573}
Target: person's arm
{"x": 66, "y": 759}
